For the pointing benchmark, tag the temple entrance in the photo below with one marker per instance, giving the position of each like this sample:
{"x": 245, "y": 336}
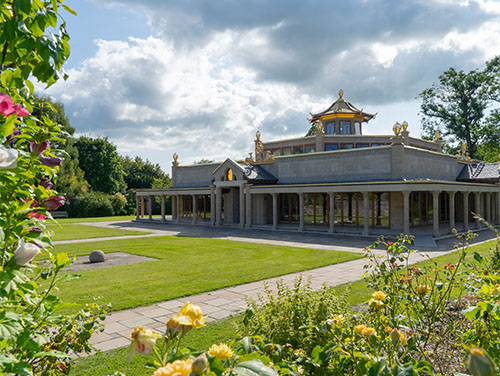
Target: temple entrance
{"x": 231, "y": 205}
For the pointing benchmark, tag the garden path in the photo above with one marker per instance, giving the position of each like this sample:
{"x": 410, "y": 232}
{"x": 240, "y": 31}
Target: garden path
{"x": 229, "y": 301}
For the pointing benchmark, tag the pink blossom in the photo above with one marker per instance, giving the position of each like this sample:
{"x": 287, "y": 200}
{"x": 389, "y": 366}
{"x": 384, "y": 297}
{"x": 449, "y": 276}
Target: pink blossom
{"x": 7, "y": 107}
{"x": 51, "y": 161}
{"x": 37, "y": 215}
{"x": 53, "y": 202}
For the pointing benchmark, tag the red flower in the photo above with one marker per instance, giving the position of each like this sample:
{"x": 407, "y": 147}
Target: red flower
{"x": 53, "y": 202}
{"x": 37, "y": 215}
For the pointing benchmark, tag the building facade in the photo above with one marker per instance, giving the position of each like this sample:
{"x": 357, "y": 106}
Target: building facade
{"x": 337, "y": 180}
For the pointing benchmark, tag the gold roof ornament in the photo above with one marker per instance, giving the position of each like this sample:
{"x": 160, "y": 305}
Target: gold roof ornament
{"x": 318, "y": 128}
{"x": 250, "y": 158}
{"x": 259, "y": 147}
{"x": 396, "y": 128}
{"x": 175, "y": 163}
{"x": 341, "y": 93}
{"x": 437, "y": 136}
{"x": 405, "y": 126}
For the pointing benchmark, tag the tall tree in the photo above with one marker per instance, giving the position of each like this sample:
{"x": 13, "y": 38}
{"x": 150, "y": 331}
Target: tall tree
{"x": 71, "y": 180}
{"x": 141, "y": 173}
{"x": 101, "y": 164}
{"x": 458, "y": 104}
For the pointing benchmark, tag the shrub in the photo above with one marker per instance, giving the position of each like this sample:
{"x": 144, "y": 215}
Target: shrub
{"x": 97, "y": 204}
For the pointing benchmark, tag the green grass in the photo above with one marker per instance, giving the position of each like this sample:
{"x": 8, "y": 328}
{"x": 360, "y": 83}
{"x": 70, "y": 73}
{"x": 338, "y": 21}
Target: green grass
{"x": 96, "y": 219}
{"x": 72, "y": 231}
{"x": 223, "y": 330}
{"x": 106, "y": 363}
{"x": 185, "y": 266}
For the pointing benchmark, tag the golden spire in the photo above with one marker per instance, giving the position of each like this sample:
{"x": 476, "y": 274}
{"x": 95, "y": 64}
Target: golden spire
{"x": 341, "y": 93}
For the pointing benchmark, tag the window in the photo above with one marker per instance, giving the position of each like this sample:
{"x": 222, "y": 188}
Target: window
{"x": 330, "y": 147}
{"x": 375, "y": 145}
{"x": 310, "y": 148}
{"x": 330, "y": 128}
{"x": 359, "y": 146}
{"x": 287, "y": 151}
{"x": 276, "y": 152}
{"x": 346, "y": 146}
{"x": 298, "y": 149}
{"x": 345, "y": 127}
{"x": 357, "y": 128}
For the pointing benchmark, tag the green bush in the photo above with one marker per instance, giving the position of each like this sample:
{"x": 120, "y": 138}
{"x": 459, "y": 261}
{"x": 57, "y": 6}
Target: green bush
{"x": 292, "y": 315}
{"x": 97, "y": 204}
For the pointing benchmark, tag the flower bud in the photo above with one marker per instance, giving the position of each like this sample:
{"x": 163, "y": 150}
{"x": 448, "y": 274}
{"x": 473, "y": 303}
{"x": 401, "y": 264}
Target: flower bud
{"x": 8, "y": 158}
{"x": 46, "y": 183}
{"x": 38, "y": 149}
{"x": 394, "y": 336}
{"x": 479, "y": 363}
{"x": 54, "y": 202}
{"x": 25, "y": 252}
{"x": 51, "y": 161}
{"x": 199, "y": 364}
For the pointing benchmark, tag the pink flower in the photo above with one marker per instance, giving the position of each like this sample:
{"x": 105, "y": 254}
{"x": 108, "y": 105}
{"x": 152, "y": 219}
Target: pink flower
{"x": 7, "y": 107}
{"x": 51, "y": 161}
{"x": 39, "y": 148}
{"x": 53, "y": 202}
{"x": 37, "y": 215}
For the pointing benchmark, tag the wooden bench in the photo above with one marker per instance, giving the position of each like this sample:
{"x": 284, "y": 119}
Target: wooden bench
{"x": 59, "y": 214}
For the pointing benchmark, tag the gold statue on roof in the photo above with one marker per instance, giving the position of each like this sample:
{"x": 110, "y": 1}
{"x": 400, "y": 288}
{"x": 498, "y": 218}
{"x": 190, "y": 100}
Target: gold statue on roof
{"x": 259, "y": 147}
{"x": 175, "y": 163}
{"x": 318, "y": 128}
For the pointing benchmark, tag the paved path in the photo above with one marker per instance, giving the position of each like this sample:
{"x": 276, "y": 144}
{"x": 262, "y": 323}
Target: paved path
{"x": 229, "y": 301}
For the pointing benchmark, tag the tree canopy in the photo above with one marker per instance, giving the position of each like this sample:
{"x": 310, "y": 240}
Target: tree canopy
{"x": 458, "y": 106}
{"x": 141, "y": 173}
{"x": 101, "y": 164}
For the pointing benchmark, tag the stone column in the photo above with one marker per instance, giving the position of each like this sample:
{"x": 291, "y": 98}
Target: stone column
{"x": 366, "y": 223}
{"x": 477, "y": 208}
{"x": 301, "y": 212}
{"x": 218, "y": 204}
{"x": 488, "y": 196}
{"x": 212, "y": 206}
{"x": 195, "y": 209}
{"x": 275, "y": 211}
{"x": 136, "y": 207}
{"x": 162, "y": 197}
{"x": 466, "y": 210}
{"x": 435, "y": 213}
{"x": 406, "y": 212}
{"x": 150, "y": 208}
{"x": 331, "y": 196}
{"x": 242, "y": 206}
{"x": 248, "y": 208}
{"x": 174, "y": 207}
{"x": 142, "y": 206}
{"x": 451, "y": 206}
{"x": 178, "y": 210}
{"x": 498, "y": 208}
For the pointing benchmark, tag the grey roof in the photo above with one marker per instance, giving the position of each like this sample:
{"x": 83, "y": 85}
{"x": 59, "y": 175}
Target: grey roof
{"x": 257, "y": 174}
{"x": 479, "y": 171}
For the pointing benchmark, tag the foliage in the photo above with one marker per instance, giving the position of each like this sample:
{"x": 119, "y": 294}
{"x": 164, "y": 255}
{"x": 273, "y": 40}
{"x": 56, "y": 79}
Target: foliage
{"x": 141, "y": 173}
{"x": 101, "y": 164}
{"x": 457, "y": 105}
{"x": 34, "y": 338}
{"x": 97, "y": 204}
{"x": 291, "y": 315}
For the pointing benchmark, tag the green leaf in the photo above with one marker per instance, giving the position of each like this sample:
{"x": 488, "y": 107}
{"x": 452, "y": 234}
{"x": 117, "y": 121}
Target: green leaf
{"x": 62, "y": 260}
{"x": 7, "y": 127}
{"x": 254, "y": 368}
{"x": 68, "y": 9}
{"x": 10, "y": 325}
{"x": 247, "y": 344}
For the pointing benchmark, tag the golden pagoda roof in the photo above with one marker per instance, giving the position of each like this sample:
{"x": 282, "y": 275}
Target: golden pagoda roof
{"x": 341, "y": 106}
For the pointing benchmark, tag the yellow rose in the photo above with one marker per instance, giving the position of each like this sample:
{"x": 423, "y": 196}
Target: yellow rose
{"x": 221, "y": 352}
{"x": 379, "y": 295}
{"x": 422, "y": 289}
{"x": 177, "y": 368}
{"x": 368, "y": 331}
{"x": 192, "y": 316}
{"x": 360, "y": 328}
{"x": 336, "y": 320}
{"x": 374, "y": 303}
{"x": 143, "y": 341}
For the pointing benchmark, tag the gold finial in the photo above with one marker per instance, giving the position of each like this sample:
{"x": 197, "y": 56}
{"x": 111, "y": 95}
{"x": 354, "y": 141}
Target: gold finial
{"x": 405, "y": 126}
{"x": 396, "y": 129}
{"x": 257, "y": 135}
{"x": 175, "y": 163}
{"x": 249, "y": 159}
{"x": 259, "y": 147}
{"x": 341, "y": 93}
{"x": 437, "y": 135}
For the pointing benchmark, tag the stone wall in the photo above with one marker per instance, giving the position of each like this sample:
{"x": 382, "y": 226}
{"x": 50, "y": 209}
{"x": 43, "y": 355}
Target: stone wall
{"x": 419, "y": 164}
{"x": 193, "y": 176}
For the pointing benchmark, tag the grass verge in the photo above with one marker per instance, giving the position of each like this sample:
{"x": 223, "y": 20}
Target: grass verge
{"x": 73, "y": 232}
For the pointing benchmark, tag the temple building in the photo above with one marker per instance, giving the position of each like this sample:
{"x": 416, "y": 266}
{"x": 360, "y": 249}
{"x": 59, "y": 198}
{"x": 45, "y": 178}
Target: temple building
{"x": 336, "y": 180}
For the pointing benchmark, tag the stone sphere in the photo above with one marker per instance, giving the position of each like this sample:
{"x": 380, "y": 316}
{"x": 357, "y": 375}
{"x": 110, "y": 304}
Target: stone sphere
{"x": 97, "y": 256}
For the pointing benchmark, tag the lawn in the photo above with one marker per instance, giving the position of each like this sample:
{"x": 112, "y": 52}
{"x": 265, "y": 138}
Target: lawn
{"x": 96, "y": 219}
{"x": 185, "y": 266}
{"x": 223, "y": 330}
{"x": 72, "y": 231}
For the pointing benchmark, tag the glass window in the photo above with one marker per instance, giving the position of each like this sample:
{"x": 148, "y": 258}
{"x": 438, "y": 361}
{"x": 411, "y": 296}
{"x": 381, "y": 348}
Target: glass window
{"x": 287, "y": 151}
{"x": 310, "y": 148}
{"x": 346, "y": 146}
{"x": 375, "y": 145}
{"x": 357, "y": 128}
{"x": 345, "y": 127}
{"x": 330, "y": 147}
{"x": 298, "y": 150}
{"x": 330, "y": 128}
{"x": 276, "y": 152}
{"x": 358, "y": 146}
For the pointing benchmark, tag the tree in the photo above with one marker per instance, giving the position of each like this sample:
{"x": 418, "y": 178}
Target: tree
{"x": 101, "y": 164}
{"x": 457, "y": 105}
{"x": 71, "y": 180}
{"x": 141, "y": 173}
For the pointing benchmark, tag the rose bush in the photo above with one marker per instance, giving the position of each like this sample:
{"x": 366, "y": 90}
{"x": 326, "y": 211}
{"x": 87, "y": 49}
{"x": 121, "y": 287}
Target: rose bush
{"x": 34, "y": 338}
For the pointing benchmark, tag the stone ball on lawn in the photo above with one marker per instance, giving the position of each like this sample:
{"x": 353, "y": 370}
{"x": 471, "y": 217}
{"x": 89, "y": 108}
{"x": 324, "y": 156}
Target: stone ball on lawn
{"x": 97, "y": 256}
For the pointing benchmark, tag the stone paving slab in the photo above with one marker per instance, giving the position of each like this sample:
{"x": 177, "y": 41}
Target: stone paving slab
{"x": 232, "y": 300}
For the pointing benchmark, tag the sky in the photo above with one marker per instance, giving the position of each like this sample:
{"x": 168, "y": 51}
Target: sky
{"x": 200, "y": 77}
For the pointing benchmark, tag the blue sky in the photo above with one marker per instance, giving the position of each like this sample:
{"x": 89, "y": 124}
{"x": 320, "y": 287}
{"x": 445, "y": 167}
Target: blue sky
{"x": 200, "y": 77}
